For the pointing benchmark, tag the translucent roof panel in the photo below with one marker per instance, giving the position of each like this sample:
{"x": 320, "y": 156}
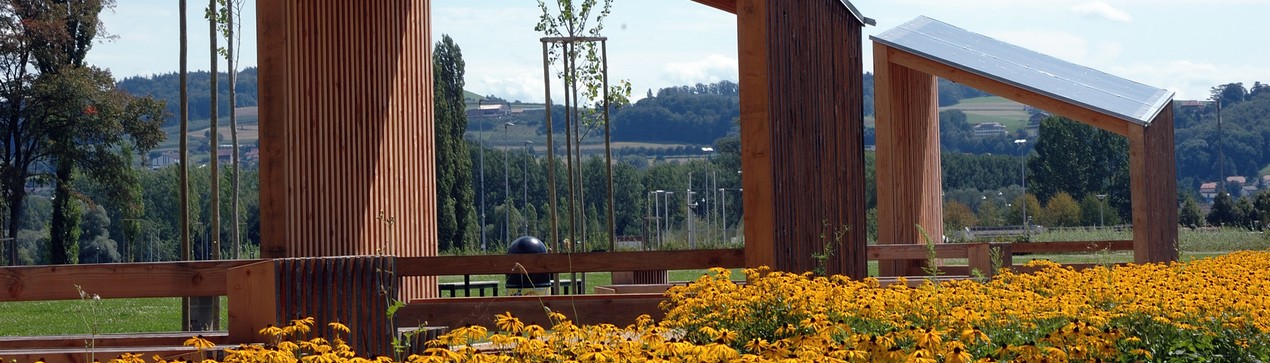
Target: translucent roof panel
{"x": 1027, "y": 69}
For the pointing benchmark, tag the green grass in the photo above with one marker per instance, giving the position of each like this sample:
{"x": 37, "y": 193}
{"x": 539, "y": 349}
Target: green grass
{"x": 66, "y": 317}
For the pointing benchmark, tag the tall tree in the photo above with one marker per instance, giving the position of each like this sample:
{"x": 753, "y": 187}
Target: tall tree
{"x": 62, "y": 112}
{"x": 456, "y": 212}
{"x": 214, "y": 135}
{"x": 1080, "y": 159}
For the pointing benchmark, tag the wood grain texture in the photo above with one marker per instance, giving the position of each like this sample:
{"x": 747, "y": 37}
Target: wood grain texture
{"x": 802, "y": 135}
{"x": 725, "y": 5}
{"x": 347, "y": 137}
{"x": 175, "y": 339}
{"x": 577, "y": 262}
{"x": 253, "y": 296}
{"x": 1153, "y": 178}
{"x": 756, "y": 140}
{"x": 908, "y": 160}
{"x": 116, "y": 280}
{"x": 619, "y": 310}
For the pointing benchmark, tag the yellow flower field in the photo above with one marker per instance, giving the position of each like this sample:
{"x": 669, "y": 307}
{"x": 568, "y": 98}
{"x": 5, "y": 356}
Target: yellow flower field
{"x": 1214, "y": 309}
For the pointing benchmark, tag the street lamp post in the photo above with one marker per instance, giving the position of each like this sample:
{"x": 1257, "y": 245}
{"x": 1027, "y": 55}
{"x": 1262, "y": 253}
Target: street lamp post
{"x": 481, "y": 151}
{"x": 507, "y": 195}
{"x": 1100, "y": 202}
{"x": 1023, "y": 180}
{"x": 529, "y": 153}
{"x": 657, "y": 214}
{"x": 667, "y": 212}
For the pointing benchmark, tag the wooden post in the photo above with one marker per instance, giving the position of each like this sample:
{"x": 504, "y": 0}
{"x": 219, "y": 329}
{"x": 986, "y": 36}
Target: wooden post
{"x": 1152, "y": 174}
{"x": 802, "y": 147}
{"x": 253, "y": 301}
{"x": 908, "y": 164}
{"x": 756, "y": 141}
{"x": 346, "y": 131}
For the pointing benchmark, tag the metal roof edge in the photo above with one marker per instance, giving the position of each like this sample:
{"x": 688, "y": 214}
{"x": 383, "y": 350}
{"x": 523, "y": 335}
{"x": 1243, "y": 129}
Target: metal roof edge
{"x": 1127, "y": 118}
{"x": 856, "y": 12}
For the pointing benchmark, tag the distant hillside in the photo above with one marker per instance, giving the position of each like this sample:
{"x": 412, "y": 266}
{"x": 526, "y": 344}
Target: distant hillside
{"x": 167, "y": 87}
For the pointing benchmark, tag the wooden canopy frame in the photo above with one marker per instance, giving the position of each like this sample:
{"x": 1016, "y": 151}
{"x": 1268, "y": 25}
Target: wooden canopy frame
{"x": 908, "y": 161}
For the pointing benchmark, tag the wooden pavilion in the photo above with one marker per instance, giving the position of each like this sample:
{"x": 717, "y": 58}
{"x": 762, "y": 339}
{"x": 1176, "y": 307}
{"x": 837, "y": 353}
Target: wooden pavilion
{"x": 909, "y": 57}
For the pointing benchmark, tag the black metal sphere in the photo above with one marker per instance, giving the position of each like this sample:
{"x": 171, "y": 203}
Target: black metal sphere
{"x": 527, "y": 245}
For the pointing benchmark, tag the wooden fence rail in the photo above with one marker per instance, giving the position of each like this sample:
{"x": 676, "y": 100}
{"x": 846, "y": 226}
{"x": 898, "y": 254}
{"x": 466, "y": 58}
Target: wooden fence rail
{"x": 116, "y": 280}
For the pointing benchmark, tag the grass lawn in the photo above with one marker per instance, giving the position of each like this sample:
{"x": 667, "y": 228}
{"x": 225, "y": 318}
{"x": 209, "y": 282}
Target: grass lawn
{"x": 111, "y": 316}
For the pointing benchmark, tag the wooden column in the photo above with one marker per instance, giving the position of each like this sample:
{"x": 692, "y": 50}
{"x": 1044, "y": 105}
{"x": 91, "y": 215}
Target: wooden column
{"x": 908, "y": 166}
{"x": 347, "y": 155}
{"x": 1153, "y": 179}
{"x": 802, "y": 135}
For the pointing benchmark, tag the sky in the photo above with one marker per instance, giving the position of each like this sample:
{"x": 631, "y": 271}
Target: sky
{"x": 1187, "y": 46}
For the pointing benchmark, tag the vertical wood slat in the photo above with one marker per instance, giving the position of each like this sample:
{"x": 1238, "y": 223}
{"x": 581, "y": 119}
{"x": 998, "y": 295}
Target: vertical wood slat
{"x": 802, "y": 134}
{"x": 1154, "y": 190}
{"x": 354, "y": 291}
{"x": 347, "y": 130}
{"x": 908, "y": 162}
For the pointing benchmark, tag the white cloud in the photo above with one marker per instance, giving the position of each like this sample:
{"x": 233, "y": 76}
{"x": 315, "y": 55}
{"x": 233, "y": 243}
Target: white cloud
{"x": 1103, "y": 10}
{"x": 712, "y": 68}
{"x": 1191, "y": 79}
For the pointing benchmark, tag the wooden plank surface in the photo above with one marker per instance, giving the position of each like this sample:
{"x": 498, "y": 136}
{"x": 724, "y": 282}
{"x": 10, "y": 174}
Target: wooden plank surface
{"x": 620, "y": 310}
{"x": 107, "y": 340}
{"x": 103, "y": 354}
{"x": 758, "y": 201}
{"x": 916, "y": 251}
{"x": 1076, "y": 246}
{"x": 577, "y": 262}
{"x": 1153, "y": 178}
{"x": 151, "y": 279}
{"x": 725, "y": 5}
{"x": 908, "y": 160}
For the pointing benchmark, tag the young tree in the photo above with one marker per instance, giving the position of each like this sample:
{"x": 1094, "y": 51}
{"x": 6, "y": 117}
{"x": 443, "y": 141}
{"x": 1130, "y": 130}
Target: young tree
{"x": 456, "y": 212}
{"x": 1061, "y": 211}
{"x": 1224, "y": 211}
{"x": 1190, "y": 215}
{"x": 957, "y": 216}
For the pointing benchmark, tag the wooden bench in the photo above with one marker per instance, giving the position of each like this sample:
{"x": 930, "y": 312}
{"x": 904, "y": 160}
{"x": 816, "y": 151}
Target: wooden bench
{"x": 467, "y": 286}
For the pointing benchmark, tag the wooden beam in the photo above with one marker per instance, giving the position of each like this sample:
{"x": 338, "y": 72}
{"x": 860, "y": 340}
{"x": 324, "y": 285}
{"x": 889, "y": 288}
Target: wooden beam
{"x": 577, "y": 262}
{"x": 619, "y": 310}
{"x": 1153, "y": 178}
{"x": 273, "y": 34}
{"x": 1075, "y": 246}
{"x": 106, "y": 340}
{"x": 908, "y": 161}
{"x": 253, "y": 300}
{"x": 753, "y": 20}
{"x": 152, "y": 279}
{"x": 1044, "y": 102}
{"x": 725, "y": 5}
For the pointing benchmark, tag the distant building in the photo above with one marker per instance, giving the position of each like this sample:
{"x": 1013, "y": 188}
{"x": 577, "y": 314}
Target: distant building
{"x": 1208, "y": 190}
{"x": 490, "y": 109}
{"x": 165, "y": 159}
{"x": 1237, "y": 180}
{"x": 990, "y": 129}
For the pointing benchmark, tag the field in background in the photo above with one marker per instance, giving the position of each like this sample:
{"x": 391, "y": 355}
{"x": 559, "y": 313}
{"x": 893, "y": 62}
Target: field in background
{"x": 992, "y": 109}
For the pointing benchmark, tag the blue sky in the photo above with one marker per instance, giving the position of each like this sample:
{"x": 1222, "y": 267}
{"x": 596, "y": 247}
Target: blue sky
{"x": 1186, "y": 46}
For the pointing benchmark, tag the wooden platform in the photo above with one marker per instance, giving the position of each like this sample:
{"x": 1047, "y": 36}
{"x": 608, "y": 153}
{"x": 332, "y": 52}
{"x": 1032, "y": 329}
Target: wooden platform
{"x": 72, "y": 348}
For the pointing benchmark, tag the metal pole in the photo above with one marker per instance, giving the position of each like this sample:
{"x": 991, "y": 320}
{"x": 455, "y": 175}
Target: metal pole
{"x": 667, "y": 204}
{"x": 692, "y": 238}
{"x": 724, "y": 214}
{"x": 1023, "y": 180}
{"x": 529, "y": 150}
{"x": 1100, "y": 202}
{"x": 507, "y": 190}
{"x": 481, "y": 150}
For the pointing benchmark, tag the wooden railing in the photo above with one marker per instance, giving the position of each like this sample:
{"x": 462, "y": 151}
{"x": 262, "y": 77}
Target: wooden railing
{"x": 256, "y": 297}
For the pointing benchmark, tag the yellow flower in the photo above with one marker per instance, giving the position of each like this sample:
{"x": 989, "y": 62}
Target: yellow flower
{"x": 200, "y": 343}
{"x": 338, "y": 327}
